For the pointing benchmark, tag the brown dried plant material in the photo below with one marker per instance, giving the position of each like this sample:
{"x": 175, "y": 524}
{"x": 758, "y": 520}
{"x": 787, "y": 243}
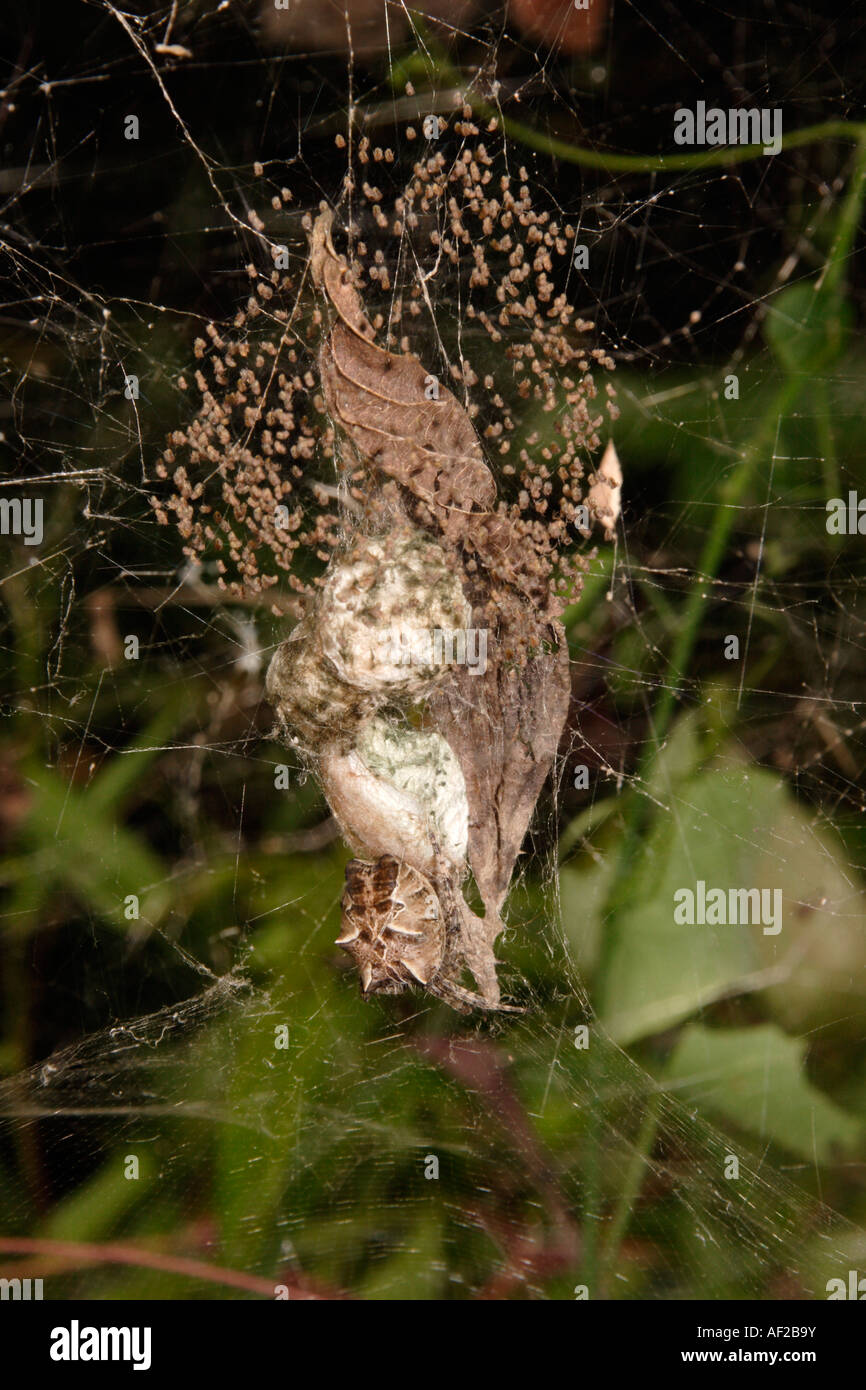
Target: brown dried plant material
{"x": 382, "y": 402}
{"x": 505, "y": 729}
{"x": 561, "y": 24}
{"x": 503, "y": 725}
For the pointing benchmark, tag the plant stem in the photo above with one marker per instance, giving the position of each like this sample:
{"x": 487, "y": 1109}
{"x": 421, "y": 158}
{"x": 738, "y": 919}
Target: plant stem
{"x": 435, "y": 61}
{"x": 631, "y": 1186}
{"x": 614, "y": 162}
{"x": 715, "y": 545}
{"x": 826, "y": 442}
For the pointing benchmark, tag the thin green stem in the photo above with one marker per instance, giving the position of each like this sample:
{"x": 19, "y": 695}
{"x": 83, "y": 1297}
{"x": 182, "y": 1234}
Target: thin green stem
{"x": 439, "y": 69}
{"x": 613, "y": 161}
{"x": 826, "y": 441}
{"x": 631, "y": 1186}
{"x": 635, "y": 821}
{"x": 849, "y": 221}
{"x": 715, "y": 545}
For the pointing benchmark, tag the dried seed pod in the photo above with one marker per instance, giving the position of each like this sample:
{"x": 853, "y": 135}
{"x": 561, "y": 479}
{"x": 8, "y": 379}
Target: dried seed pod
{"x": 392, "y": 925}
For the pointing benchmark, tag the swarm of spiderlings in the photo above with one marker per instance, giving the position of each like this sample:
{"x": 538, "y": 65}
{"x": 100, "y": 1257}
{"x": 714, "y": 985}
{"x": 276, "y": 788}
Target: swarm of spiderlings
{"x": 456, "y": 263}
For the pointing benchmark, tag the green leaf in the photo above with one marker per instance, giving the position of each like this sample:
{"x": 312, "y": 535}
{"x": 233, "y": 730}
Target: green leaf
{"x": 732, "y": 826}
{"x": 97, "y": 1207}
{"x": 79, "y": 847}
{"x": 807, "y": 327}
{"x": 660, "y": 971}
{"x": 415, "y": 1271}
{"x": 755, "y": 1077}
{"x": 122, "y": 774}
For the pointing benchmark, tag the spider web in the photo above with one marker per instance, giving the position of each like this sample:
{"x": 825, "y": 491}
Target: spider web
{"x": 562, "y": 1161}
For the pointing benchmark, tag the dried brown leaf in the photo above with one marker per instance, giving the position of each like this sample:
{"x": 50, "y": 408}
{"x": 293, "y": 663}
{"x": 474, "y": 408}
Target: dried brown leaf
{"x": 504, "y": 728}
{"x": 378, "y": 398}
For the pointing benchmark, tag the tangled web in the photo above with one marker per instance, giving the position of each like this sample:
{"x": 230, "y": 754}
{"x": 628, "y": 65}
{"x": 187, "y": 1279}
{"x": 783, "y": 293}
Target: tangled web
{"x": 196, "y": 1097}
